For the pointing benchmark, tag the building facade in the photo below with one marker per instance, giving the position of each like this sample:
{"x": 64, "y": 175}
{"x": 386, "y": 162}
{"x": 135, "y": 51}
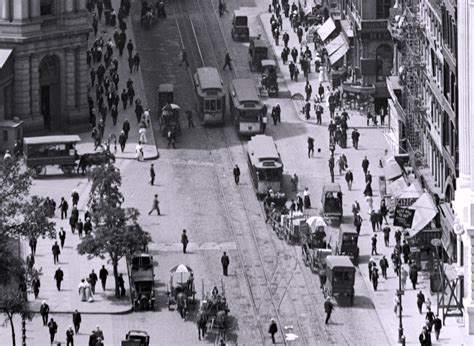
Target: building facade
{"x": 464, "y": 195}
{"x": 48, "y": 39}
{"x": 372, "y": 52}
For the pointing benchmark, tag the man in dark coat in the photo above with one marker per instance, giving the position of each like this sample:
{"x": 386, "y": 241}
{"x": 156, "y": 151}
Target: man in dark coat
{"x": 413, "y": 276}
{"x": 437, "y": 326}
{"x": 384, "y": 266}
{"x": 36, "y": 284}
{"x": 328, "y": 308}
{"x": 62, "y": 236}
{"x": 225, "y": 263}
{"x": 122, "y": 140}
{"x": 126, "y": 128}
{"x": 93, "y": 280}
{"x": 184, "y": 240}
{"x": 44, "y": 311}
{"x": 273, "y": 329}
{"x": 365, "y": 165}
{"x": 152, "y": 174}
{"x": 63, "y": 206}
{"x": 56, "y": 252}
{"x": 236, "y": 173}
{"x": 53, "y": 329}
{"x": 420, "y": 300}
{"x": 103, "y": 273}
{"x": 349, "y": 179}
{"x": 58, "y": 276}
{"x": 76, "y": 320}
{"x": 80, "y": 227}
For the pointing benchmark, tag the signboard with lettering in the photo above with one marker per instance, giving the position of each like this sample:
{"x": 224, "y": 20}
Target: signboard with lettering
{"x": 403, "y": 217}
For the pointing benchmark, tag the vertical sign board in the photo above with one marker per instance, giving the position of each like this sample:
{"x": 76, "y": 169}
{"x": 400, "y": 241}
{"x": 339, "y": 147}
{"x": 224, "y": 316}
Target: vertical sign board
{"x": 403, "y": 217}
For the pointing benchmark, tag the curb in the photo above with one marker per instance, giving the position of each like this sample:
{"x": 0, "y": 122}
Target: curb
{"x": 61, "y": 312}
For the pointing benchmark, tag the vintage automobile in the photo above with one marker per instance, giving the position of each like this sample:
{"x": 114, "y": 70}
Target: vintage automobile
{"x": 240, "y": 28}
{"x": 269, "y": 81}
{"x": 347, "y": 244}
{"x": 258, "y": 51}
{"x": 142, "y": 277}
{"x": 331, "y": 201}
{"x": 136, "y": 338}
{"x": 340, "y": 274}
{"x": 43, "y": 151}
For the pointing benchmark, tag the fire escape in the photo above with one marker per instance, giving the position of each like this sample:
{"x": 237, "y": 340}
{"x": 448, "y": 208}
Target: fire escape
{"x": 406, "y": 28}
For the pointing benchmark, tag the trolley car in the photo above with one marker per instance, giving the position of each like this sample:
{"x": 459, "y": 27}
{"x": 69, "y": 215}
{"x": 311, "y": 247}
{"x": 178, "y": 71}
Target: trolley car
{"x": 211, "y": 95}
{"x": 265, "y": 165}
{"x": 246, "y": 108}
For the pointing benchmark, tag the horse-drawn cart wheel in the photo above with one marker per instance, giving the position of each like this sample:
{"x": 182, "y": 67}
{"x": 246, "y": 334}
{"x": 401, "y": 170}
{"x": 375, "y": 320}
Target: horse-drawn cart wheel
{"x": 40, "y": 170}
{"x": 67, "y": 169}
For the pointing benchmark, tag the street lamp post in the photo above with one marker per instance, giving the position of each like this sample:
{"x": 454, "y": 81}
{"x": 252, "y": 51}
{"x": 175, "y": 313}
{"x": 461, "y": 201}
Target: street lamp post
{"x": 400, "y": 294}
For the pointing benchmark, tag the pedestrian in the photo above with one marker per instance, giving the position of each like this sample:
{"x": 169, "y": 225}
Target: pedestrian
{"x": 358, "y": 222}
{"x": 36, "y": 284}
{"x": 155, "y": 205}
{"x": 70, "y": 336}
{"x": 384, "y": 266}
{"x": 373, "y": 220}
{"x": 121, "y": 284}
{"x": 430, "y": 317}
{"x": 396, "y": 304}
{"x": 62, "y": 236}
{"x": 30, "y": 261}
{"x": 93, "y": 280}
{"x": 63, "y": 206}
{"x": 349, "y": 179}
{"x": 152, "y": 174}
{"x": 139, "y": 151}
{"x": 331, "y": 167}
{"x": 310, "y": 147}
{"x": 76, "y": 320}
{"x": 103, "y": 273}
{"x": 294, "y": 182}
{"x": 375, "y": 277}
{"x": 189, "y": 115}
{"x": 355, "y": 139}
{"x": 33, "y": 242}
{"x": 420, "y": 300}
{"x": 308, "y": 90}
{"x": 130, "y": 48}
{"x": 384, "y": 210}
{"x": 227, "y": 59}
{"x": 299, "y": 203}
{"x": 386, "y": 235}
{"x": 53, "y": 329}
{"x": 75, "y": 197}
{"x": 437, "y": 326}
{"x": 413, "y": 273}
{"x": 365, "y": 165}
{"x": 56, "y": 252}
{"x": 425, "y": 337}
{"x": 306, "y": 198}
{"x": 236, "y": 173}
{"x": 99, "y": 333}
{"x": 126, "y": 129}
{"x": 273, "y": 329}
{"x": 404, "y": 276}
{"x": 328, "y": 308}
{"x": 88, "y": 226}
{"x": 44, "y": 311}
{"x": 59, "y": 276}
{"x": 398, "y": 235}
{"x": 428, "y": 303}
{"x": 406, "y": 251}
{"x": 371, "y": 265}
{"x": 73, "y": 219}
{"x": 374, "y": 245}
{"x": 225, "y": 263}
{"x": 184, "y": 58}
{"x": 171, "y": 139}
{"x": 142, "y": 133}
{"x": 184, "y": 240}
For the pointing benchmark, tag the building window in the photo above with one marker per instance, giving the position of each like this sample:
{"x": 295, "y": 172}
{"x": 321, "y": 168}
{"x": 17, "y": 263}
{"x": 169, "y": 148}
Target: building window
{"x": 46, "y": 7}
{"x": 383, "y": 9}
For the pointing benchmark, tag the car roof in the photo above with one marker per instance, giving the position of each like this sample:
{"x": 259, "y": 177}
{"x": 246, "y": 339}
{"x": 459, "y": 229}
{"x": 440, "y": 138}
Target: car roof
{"x": 339, "y": 261}
{"x": 52, "y": 139}
{"x": 332, "y": 187}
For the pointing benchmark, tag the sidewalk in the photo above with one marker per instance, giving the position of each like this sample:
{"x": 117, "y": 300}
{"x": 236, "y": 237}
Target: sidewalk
{"x": 150, "y": 149}
{"x": 373, "y": 145}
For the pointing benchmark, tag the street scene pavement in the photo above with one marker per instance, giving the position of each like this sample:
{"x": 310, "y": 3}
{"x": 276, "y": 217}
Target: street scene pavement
{"x": 197, "y": 193}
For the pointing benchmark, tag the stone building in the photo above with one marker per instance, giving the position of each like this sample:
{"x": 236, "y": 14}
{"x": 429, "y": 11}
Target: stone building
{"x": 48, "y": 39}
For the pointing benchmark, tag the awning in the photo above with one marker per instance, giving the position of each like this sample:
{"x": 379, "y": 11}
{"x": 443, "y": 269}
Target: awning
{"x": 425, "y": 211}
{"x": 347, "y": 28}
{"x": 392, "y": 169}
{"x": 399, "y": 189}
{"x": 4, "y": 55}
{"x": 338, "y": 54}
{"x": 326, "y": 29}
{"x": 358, "y": 88}
{"x": 334, "y": 45}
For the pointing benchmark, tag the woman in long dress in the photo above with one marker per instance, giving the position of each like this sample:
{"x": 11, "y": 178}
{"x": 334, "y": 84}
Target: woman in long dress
{"x": 139, "y": 151}
{"x": 87, "y": 289}
{"x": 82, "y": 290}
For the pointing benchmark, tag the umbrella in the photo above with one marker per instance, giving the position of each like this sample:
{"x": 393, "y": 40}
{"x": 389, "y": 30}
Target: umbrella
{"x": 316, "y": 221}
{"x": 181, "y": 269}
{"x": 174, "y": 106}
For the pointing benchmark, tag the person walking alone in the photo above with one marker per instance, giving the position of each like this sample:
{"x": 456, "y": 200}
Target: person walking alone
{"x": 103, "y": 273}
{"x": 365, "y": 165}
{"x": 62, "y": 236}
{"x": 420, "y": 300}
{"x": 273, "y": 329}
{"x": 59, "y": 276}
{"x": 56, "y": 252}
{"x": 44, "y": 311}
{"x": 63, "y": 206}
{"x": 374, "y": 245}
{"x": 76, "y": 320}
{"x": 225, "y": 263}
{"x": 236, "y": 173}
{"x": 70, "y": 336}
{"x": 53, "y": 329}
{"x": 156, "y": 206}
{"x": 152, "y": 174}
{"x": 184, "y": 58}
{"x": 349, "y": 179}
{"x": 184, "y": 240}
{"x": 437, "y": 324}
{"x": 227, "y": 59}
{"x": 328, "y": 308}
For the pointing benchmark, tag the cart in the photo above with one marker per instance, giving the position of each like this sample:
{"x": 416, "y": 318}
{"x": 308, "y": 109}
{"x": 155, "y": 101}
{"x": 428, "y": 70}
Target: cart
{"x": 240, "y": 28}
{"x": 136, "y": 338}
{"x": 347, "y": 244}
{"x": 258, "y": 51}
{"x": 340, "y": 274}
{"x": 331, "y": 201}
{"x": 184, "y": 284}
{"x": 269, "y": 81}
{"x": 312, "y": 239}
{"x": 214, "y": 309}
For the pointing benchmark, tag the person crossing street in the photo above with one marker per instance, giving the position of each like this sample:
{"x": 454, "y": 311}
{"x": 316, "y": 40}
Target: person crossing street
{"x": 225, "y": 263}
{"x": 236, "y": 173}
{"x": 155, "y": 206}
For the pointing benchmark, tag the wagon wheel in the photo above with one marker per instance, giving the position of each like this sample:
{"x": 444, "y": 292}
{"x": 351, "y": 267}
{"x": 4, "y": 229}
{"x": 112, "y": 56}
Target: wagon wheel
{"x": 40, "y": 170}
{"x": 67, "y": 169}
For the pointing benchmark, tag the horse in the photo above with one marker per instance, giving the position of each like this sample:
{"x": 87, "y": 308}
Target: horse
{"x": 182, "y": 303}
{"x": 201, "y": 324}
{"x": 94, "y": 159}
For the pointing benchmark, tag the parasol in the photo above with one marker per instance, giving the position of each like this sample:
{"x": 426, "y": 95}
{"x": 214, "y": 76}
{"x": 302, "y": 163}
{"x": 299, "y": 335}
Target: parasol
{"x": 316, "y": 221}
{"x": 181, "y": 269}
{"x": 174, "y": 106}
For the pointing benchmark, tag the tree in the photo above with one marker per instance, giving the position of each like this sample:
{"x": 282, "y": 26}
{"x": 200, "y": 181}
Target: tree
{"x": 116, "y": 229}
{"x": 14, "y": 187}
{"x": 32, "y": 222}
{"x": 13, "y": 281}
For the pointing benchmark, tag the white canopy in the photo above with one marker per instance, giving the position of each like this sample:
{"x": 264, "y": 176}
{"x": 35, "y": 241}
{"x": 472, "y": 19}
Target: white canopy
{"x": 326, "y": 29}
{"x": 425, "y": 211}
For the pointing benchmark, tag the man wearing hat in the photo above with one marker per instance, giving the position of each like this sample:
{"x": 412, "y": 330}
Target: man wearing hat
{"x": 70, "y": 336}
{"x": 273, "y": 329}
{"x": 44, "y": 310}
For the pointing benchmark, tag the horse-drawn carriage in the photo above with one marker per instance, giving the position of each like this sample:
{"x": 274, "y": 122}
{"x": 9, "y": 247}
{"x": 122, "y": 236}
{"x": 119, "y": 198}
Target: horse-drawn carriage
{"x": 213, "y": 312}
{"x": 168, "y": 112}
{"x": 269, "y": 81}
{"x": 294, "y": 225}
{"x": 182, "y": 292}
{"x": 340, "y": 274}
{"x": 312, "y": 240}
{"x": 43, "y": 151}
{"x": 274, "y": 205}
